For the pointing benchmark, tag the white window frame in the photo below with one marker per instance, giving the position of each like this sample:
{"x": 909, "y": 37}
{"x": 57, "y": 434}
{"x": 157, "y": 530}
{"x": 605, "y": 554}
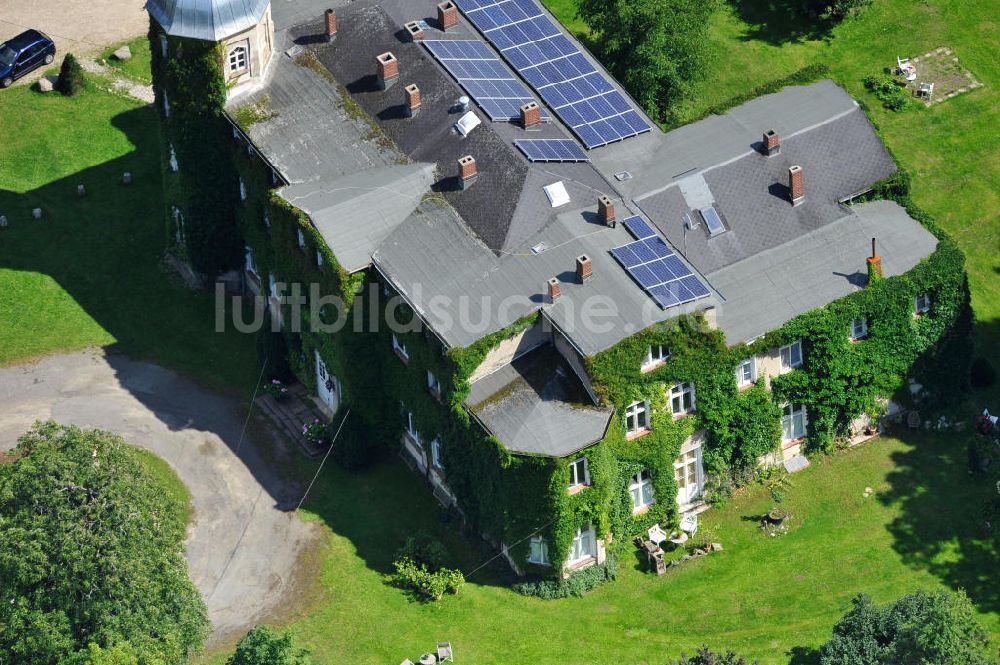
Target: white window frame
{"x": 579, "y": 473}
{"x": 656, "y": 355}
{"x": 436, "y": 454}
{"x": 409, "y": 424}
{"x": 584, "y": 545}
{"x": 267, "y": 219}
{"x": 179, "y": 225}
{"x": 859, "y": 332}
{"x": 786, "y": 355}
{"x": 789, "y": 412}
{"x": 166, "y": 105}
{"x": 301, "y": 238}
{"x": 683, "y": 485}
{"x": 248, "y": 262}
{"x": 640, "y": 488}
{"x": 433, "y": 385}
{"x": 163, "y": 45}
{"x": 742, "y": 380}
{"x": 319, "y": 259}
{"x": 239, "y": 59}
{"x": 243, "y": 190}
{"x": 922, "y": 303}
{"x": 538, "y": 551}
{"x": 678, "y": 392}
{"x": 174, "y": 165}
{"x": 636, "y": 412}
{"x": 400, "y": 349}
{"x": 272, "y": 285}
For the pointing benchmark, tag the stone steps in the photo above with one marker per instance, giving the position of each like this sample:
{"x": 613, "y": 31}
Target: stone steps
{"x": 290, "y": 414}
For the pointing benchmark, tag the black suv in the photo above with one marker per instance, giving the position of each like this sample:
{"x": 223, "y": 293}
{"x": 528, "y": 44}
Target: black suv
{"x": 28, "y": 51}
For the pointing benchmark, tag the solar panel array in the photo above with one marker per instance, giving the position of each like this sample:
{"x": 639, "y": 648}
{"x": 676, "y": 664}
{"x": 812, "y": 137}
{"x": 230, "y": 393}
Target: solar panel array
{"x": 582, "y": 97}
{"x": 552, "y": 150}
{"x": 481, "y": 73}
{"x": 651, "y": 263}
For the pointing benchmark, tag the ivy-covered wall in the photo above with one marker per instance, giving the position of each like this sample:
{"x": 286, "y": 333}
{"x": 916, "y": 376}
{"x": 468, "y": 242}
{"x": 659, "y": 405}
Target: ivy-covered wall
{"x": 190, "y": 93}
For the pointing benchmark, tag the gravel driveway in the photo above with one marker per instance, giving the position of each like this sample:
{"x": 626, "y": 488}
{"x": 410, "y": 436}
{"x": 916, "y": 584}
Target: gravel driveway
{"x": 244, "y": 543}
{"x": 81, "y": 26}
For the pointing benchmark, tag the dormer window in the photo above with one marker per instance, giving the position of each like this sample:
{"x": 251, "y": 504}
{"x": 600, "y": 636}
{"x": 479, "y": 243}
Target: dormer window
{"x": 579, "y": 473}
{"x": 791, "y": 356}
{"x": 682, "y": 399}
{"x": 238, "y": 58}
{"x": 922, "y": 304}
{"x": 859, "y": 329}
{"x": 656, "y": 355}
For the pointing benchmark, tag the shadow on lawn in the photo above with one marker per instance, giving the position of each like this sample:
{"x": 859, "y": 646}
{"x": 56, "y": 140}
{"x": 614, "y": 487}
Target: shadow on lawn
{"x": 780, "y": 22}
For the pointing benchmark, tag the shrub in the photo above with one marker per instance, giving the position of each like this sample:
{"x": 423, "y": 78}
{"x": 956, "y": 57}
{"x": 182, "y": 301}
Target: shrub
{"x": 423, "y": 549}
{"x": 265, "y": 646}
{"x": 982, "y": 374}
{"x": 889, "y": 91}
{"x": 419, "y": 565}
{"x": 576, "y": 584}
{"x": 705, "y": 656}
{"x": 929, "y": 628}
{"x": 71, "y": 78}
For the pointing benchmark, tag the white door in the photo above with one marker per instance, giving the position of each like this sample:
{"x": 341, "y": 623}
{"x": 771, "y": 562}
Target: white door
{"x": 689, "y": 476}
{"x": 327, "y": 385}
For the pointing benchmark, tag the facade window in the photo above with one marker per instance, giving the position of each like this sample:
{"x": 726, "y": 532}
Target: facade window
{"x": 166, "y": 105}
{"x": 656, "y": 355}
{"x": 400, "y": 349}
{"x": 319, "y": 259}
{"x": 746, "y": 373}
{"x": 791, "y": 356}
{"x": 793, "y": 422}
{"x": 641, "y": 489}
{"x": 173, "y": 159}
{"x": 243, "y": 190}
{"x": 922, "y": 304}
{"x": 410, "y": 425}
{"x": 682, "y": 398}
{"x": 637, "y": 417}
{"x": 579, "y": 474}
{"x": 249, "y": 264}
{"x": 163, "y": 45}
{"x": 433, "y": 385}
{"x": 689, "y": 476}
{"x": 436, "y": 454}
{"x": 859, "y": 329}
{"x": 237, "y": 59}
{"x": 274, "y": 177}
{"x": 300, "y": 238}
{"x": 584, "y": 544}
{"x": 272, "y": 285}
{"x": 538, "y": 551}
{"x": 178, "y": 225}
{"x": 267, "y": 219}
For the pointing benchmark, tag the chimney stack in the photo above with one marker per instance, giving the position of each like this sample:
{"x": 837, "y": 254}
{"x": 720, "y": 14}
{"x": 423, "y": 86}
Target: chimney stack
{"x": 412, "y": 100}
{"x": 584, "y": 268}
{"x": 606, "y": 210}
{"x": 331, "y": 25}
{"x": 447, "y": 15}
{"x": 531, "y": 115}
{"x": 796, "y": 185}
{"x": 467, "y": 172}
{"x": 554, "y": 289}
{"x": 415, "y": 31}
{"x": 772, "y": 143}
{"x": 388, "y": 70}
{"x": 874, "y": 265}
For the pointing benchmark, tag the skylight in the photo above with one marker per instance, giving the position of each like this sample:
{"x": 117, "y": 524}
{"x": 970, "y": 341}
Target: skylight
{"x": 467, "y": 123}
{"x": 712, "y": 220}
{"x": 557, "y": 194}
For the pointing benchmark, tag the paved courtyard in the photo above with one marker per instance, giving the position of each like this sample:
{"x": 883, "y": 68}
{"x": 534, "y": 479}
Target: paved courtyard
{"x": 244, "y": 542}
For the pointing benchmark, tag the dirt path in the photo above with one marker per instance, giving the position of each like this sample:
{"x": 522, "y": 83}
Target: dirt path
{"x": 244, "y": 544}
{"x": 81, "y": 26}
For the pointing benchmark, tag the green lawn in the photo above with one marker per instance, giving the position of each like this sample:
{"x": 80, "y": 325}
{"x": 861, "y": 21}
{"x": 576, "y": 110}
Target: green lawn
{"x": 138, "y": 67}
{"x": 770, "y": 598}
{"x": 89, "y": 272}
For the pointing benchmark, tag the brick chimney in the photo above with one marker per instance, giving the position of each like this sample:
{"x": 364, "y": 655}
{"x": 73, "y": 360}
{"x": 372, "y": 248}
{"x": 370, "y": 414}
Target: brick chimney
{"x": 467, "y": 172}
{"x": 388, "y": 70}
{"x": 584, "y": 268}
{"x": 412, "y": 100}
{"x": 874, "y": 265}
{"x": 531, "y": 115}
{"x": 447, "y": 15}
{"x": 331, "y": 25}
{"x": 554, "y": 289}
{"x": 796, "y": 186}
{"x": 606, "y": 210}
{"x": 772, "y": 143}
{"x": 415, "y": 31}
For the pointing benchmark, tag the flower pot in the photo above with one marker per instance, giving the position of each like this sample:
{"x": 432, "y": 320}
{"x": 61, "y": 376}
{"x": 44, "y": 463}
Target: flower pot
{"x": 777, "y": 516}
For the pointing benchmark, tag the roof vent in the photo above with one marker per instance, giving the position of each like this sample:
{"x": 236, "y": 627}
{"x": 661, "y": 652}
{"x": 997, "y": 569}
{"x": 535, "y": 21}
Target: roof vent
{"x": 467, "y": 123}
{"x": 557, "y": 194}
{"x": 622, "y": 176}
{"x": 689, "y": 223}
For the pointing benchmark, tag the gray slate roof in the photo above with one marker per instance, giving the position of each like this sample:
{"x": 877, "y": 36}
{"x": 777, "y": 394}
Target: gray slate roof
{"x": 537, "y": 405}
{"x": 210, "y": 20}
{"x": 767, "y": 290}
{"x": 356, "y": 212}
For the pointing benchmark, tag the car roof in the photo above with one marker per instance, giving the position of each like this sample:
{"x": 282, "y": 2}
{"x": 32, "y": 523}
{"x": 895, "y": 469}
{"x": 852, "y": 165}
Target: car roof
{"x": 26, "y": 38}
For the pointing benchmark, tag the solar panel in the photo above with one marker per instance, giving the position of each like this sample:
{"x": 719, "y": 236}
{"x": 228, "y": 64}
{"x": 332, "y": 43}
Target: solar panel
{"x": 712, "y": 220}
{"x": 654, "y": 266}
{"x": 552, "y": 150}
{"x": 582, "y": 97}
{"x": 481, "y": 73}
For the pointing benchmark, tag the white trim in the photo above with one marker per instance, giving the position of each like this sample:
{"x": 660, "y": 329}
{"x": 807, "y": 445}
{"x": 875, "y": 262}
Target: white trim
{"x": 584, "y": 545}
{"x": 238, "y": 58}
{"x": 301, "y": 238}
{"x": 922, "y": 303}
{"x": 399, "y": 348}
{"x": 639, "y": 411}
{"x": 789, "y": 414}
{"x": 538, "y": 551}
{"x": 576, "y": 479}
{"x": 859, "y": 332}
{"x": 639, "y": 486}
{"x": 742, "y": 381}
{"x": 436, "y": 454}
{"x": 686, "y": 493}
{"x": 653, "y": 360}
{"x": 790, "y": 350}
{"x": 678, "y": 393}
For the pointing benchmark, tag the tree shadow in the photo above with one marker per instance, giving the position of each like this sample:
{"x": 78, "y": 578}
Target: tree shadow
{"x": 803, "y": 656}
{"x": 780, "y": 22}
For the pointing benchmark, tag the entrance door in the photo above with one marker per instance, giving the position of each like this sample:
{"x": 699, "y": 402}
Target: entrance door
{"x": 327, "y": 385}
{"x": 689, "y": 476}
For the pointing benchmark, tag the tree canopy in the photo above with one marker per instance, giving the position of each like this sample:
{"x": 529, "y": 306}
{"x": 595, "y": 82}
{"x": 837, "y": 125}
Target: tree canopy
{"x": 91, "y": 554}
{"x": 927, "y": 628}
{"x": 265, "y": 646}
{"x": 655, "y": 48}
{"x": 705, "y": 656}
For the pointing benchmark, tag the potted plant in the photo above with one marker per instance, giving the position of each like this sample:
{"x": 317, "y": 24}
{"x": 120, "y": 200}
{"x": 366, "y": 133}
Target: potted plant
{"x": 276, "y": 389}
{"x": 315, "y": 433}
{"x": 777, "y": 516}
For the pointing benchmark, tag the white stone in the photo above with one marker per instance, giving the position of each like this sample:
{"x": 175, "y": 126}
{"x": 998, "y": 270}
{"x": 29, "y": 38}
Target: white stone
{"x": 45, "y": 84}
{"x": 37, "y": 213}
{"x": 123, "y": 53}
